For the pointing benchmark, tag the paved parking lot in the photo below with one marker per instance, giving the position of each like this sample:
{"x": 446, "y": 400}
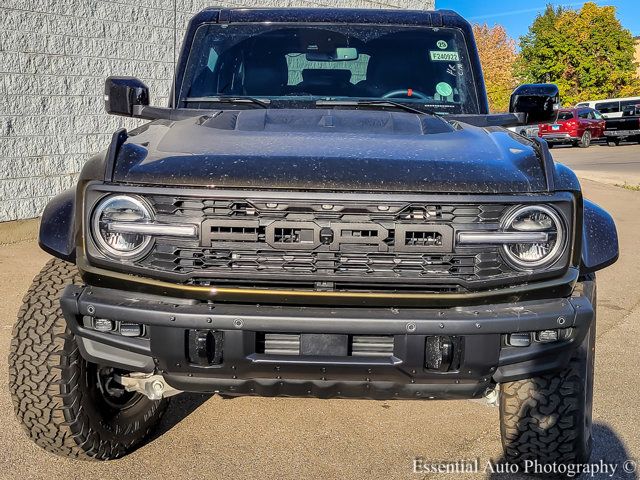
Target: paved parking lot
{"x": 618, "y": 165}
{"x": 208, "y": 437}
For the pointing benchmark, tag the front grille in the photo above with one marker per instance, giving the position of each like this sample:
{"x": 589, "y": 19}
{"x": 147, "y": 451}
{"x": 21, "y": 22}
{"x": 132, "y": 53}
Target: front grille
{"x": 189, "y": 260}
{"x": 336, "y": 245}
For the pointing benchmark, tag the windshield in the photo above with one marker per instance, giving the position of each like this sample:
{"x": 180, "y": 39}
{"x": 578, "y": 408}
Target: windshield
{"x": 419, "y": 66}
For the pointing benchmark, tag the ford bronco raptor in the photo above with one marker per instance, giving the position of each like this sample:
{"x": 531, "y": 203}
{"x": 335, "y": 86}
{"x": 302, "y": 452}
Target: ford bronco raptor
{"x": 326, "y": 209}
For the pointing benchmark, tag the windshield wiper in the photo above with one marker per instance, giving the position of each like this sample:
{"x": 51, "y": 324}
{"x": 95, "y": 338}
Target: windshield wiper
{"x": 375, "y": 103}
{"x": 225, "y": 99}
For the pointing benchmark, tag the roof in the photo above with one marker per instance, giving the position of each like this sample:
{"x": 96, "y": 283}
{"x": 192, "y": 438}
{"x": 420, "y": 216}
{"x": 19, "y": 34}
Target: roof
{"x": 435, "y": 18}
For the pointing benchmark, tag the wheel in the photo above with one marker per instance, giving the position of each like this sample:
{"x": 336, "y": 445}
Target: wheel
{"x": 585, "y": 140}
{"x": 550, "y": 145}
{"x": 69, "y": 406}
{"x": 613, "y": 142}
{"x": 549, "y": 418}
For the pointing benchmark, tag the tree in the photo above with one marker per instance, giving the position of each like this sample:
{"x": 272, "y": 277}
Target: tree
{"x": 587, "y": 53}
{"x": 497, "y": 55}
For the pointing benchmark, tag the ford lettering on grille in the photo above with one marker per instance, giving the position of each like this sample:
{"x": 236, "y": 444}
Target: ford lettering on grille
{"x": 303, "y": 235}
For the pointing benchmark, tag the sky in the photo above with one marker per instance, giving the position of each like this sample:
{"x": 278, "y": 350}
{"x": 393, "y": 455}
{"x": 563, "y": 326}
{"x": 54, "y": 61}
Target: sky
{"x": 516, "y": 17}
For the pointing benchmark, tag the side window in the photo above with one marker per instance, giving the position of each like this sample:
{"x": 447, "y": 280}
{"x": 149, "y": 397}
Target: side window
{"x": 597, "y": 115}
{"x": 212, "y": 60}
{"x": 608, "y": 107}
{"x": 583, "y": 114}
{"x": 629, "y": 103}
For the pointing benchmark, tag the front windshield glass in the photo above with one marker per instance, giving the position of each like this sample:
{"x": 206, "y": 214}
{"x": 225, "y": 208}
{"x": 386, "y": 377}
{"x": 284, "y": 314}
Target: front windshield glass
{"x": 419, "y": 66}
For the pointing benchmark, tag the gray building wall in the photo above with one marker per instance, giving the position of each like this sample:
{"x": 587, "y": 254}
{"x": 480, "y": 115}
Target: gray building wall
{"x": 54, "y": 57}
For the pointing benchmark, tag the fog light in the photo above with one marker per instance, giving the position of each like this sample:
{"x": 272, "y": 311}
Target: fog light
{"x": 102, "y": 324}
{"x": 519, "y": 339}
{"x": 547, "y": 336}
{"x": 130, "y": 329}
{"x": 443, "y": 352}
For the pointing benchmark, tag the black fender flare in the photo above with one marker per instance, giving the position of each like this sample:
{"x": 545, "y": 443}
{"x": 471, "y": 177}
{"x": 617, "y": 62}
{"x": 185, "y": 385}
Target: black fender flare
{"x": 599, "y": 239}
{"x": 57, "y": 226}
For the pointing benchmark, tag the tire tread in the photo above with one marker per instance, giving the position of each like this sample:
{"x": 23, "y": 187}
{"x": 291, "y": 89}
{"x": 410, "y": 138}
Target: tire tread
{"x": 45, "y": 376}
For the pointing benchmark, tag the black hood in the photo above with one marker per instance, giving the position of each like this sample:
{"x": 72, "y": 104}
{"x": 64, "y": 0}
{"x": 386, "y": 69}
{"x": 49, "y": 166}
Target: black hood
{"x": 334, "y": 150}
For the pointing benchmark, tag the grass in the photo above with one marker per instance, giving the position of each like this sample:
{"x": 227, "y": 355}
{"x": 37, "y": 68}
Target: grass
{"x": 627, "y": 186}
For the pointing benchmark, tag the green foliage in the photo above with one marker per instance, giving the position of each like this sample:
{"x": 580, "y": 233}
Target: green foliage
{"x": 587, "y": 53}
{"x": 497, "y": 54}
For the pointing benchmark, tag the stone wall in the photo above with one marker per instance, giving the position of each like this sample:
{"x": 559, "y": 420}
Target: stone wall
{"x": 54, "y": 57}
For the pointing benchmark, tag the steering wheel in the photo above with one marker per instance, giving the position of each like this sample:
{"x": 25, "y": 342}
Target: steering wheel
{"x": 409, "y": 92}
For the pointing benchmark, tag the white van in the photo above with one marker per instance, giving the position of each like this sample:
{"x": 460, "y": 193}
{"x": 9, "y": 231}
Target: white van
{"x": 611, "y": 107}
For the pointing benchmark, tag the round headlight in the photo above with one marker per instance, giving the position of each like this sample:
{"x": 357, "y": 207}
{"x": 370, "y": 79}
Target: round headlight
{"x": 118, "y": 209}
{"x": 534, "y": 219}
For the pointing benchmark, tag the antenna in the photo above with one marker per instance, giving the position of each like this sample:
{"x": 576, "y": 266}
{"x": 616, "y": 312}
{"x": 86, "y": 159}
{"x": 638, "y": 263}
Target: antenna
{"x": 173, "y": 80}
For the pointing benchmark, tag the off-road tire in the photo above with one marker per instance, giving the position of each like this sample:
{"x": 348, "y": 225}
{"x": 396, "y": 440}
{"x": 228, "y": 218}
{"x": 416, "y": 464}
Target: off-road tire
{"x": 54, "y": 391}
{"x": 585, "y": 140}
{"x": 549, "y": 418}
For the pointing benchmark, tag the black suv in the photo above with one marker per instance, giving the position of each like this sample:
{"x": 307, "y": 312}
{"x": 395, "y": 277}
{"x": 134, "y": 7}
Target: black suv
{"x": 325, "y": 209}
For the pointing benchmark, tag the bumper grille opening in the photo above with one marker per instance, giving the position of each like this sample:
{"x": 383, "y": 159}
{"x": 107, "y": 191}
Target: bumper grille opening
{"x": 358, "y": 345}
{"x": 279, "y": 344}
{"x": 372, "y": 346}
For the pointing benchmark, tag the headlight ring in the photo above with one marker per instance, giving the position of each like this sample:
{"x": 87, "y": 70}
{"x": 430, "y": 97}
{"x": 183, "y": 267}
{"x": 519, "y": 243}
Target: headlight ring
{"x": 534, "y": 218}
{"x": 120, "y": 208}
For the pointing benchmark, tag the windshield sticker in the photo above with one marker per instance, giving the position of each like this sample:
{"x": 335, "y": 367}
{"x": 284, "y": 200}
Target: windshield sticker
{"x": 442, "y": 56}
{"x": 444, "y": 89}
{"x": 442, "y": 45}
{"x": 455, "y": 70}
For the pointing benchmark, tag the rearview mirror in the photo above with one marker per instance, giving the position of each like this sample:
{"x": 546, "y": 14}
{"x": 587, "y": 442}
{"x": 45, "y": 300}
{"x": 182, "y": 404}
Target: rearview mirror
{"x": 538, "y": 101}
{"x": 123, "y": 94}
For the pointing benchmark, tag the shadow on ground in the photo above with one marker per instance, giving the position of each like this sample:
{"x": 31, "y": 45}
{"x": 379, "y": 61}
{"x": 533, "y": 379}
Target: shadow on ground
{"x": 181, "y": 407}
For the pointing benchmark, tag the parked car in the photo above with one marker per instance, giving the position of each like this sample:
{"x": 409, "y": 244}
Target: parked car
{"x": 576, "y": 126}
{"x": 626, "y": 127}
{"x": 313, "y": 215}
{"x": 610, "y": 107}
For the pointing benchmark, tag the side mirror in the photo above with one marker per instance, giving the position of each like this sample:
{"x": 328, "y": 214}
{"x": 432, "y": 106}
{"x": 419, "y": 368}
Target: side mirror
{"x": 123, "y": 94}
{"x": 538, "y": 101}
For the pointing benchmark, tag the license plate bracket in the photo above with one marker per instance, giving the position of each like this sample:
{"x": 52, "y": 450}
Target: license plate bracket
{"x": 332, "y": 345}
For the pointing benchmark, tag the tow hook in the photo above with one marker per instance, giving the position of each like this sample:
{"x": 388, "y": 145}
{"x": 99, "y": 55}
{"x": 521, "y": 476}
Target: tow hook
{"x": 154, "y": 387}
{"x": 492, "y": 396}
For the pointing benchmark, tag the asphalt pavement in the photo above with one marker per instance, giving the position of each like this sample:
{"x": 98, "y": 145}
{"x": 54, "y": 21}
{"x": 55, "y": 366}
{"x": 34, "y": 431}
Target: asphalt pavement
{"x": 617, "y": 165}
{"x": 205, "y": 437}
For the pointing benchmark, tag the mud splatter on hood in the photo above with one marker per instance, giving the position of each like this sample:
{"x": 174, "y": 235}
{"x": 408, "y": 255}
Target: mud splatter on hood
{"x": 330, "y": 150}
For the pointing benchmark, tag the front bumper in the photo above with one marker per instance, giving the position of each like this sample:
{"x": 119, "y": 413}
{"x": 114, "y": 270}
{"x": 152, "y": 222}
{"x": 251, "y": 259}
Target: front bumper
{"x": 483, "y": 356}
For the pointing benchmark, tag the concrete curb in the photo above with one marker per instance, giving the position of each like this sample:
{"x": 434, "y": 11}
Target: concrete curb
{"x": 19, "y": 231}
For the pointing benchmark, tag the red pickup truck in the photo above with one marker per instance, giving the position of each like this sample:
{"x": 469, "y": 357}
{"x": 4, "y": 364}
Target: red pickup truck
{"x": 577, "y": 126}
